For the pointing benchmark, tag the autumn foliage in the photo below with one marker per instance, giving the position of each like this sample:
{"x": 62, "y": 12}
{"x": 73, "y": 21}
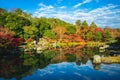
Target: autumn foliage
{"x": 7, "y": 38}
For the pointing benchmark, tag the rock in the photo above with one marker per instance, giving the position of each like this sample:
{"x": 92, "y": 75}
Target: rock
{"x": 39, "y": 48}
{"x": 107, "y": 61}
{"x": 106, "y": 46}
{"x": 101, "y": 48}
{"x": 96, "y": 59}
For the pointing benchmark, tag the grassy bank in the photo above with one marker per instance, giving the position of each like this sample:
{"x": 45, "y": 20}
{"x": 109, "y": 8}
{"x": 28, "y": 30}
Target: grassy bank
{"x": 70, "y": 44}
{"x": 111, "y": 59}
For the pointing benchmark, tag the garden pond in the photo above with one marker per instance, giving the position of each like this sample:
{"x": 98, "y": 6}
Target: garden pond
{"x": 72, "y": 63}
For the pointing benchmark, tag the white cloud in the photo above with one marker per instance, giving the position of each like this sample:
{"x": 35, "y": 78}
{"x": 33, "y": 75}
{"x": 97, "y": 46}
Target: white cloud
{"x": 62, "y": 7}
{"x": 44, "y": 10}
{"x": 42, "y": 5}
{"x": 104, "y": 16}
{"x": 47, "y": 8}
{"x": 84, "y": 2}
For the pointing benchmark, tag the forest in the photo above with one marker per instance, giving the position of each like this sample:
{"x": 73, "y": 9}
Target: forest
{"x": 18, "y": 27}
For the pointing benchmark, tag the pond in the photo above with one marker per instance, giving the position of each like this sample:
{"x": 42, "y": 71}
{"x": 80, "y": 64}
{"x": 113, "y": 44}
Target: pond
{"x": 58, "y": 64}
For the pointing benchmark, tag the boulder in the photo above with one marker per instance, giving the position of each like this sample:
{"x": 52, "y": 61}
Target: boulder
{"x": 96, "y": 59}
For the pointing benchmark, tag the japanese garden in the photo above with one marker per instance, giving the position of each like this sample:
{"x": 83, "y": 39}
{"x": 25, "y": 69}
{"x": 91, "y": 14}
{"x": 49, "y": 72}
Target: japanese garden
{"x": 55, "y": 49}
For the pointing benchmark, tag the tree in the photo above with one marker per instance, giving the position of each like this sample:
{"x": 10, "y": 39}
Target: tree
{"x": 59, "y": 30}
{"x": 93, "y": 25}
{"x": 3, "y": 14}
{"x": 15, "y": 23}
{"x": 7, "y": 40}
{"x": 70, "y": 29}
{"x": 18, "y": 11}
{"x": 97, "y": 36}
{"x": 106, "y": 34}
{"x": 78, "y": 23}
{"x": 2, "y": 19}
{"x": 56, "y": 22}
{"x": 41, "y": 24}
{"x": 89, "y": 35}
{"x": 44, "y": 25}
{"x": 30, "y": 32}
{"x": 6, "y": 37}
{"x": 84, "y": 24}
{"x": 2, "y": 11}
{"x": 49, "y": 34}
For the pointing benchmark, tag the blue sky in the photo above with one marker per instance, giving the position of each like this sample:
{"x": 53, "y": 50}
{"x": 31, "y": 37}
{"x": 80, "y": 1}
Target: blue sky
{"x": 102, "y": 12}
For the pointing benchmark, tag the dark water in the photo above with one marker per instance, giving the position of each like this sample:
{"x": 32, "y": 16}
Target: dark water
{"x": 58, "y": 64}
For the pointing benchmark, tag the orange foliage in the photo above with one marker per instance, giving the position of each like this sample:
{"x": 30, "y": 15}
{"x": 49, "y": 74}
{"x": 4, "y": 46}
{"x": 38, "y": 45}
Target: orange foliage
{"x": 98, "y": 30}
{"x": 72, "y": 38}
{"x": 6, "y": 37}
{"x": 59, "y": 30}
{"x": 29, "y": 40}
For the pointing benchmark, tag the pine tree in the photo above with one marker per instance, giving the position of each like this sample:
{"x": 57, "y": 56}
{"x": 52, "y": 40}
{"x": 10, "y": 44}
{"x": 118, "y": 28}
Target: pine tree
{"x": 93, "y": 25}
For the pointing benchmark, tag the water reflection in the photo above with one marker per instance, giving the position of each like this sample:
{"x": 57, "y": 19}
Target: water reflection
{"x": 70, "y": 71}
{"x": 57, "y": 64}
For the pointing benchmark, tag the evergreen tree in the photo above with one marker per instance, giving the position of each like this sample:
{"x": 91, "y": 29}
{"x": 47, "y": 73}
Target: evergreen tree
{"x": 93, "y": 25}
{"x": 78, "y": 23}
{"x": 106, "y": 34}
{"x": 84, "y": 24}
{"x": 97, "y": 36}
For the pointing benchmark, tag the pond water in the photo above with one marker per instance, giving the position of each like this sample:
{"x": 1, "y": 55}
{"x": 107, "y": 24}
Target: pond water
{"x": 58, "y": 64}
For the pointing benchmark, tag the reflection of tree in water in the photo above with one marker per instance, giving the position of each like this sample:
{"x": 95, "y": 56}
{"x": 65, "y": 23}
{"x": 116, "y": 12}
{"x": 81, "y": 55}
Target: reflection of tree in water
{"x": 116, "y": 45}
{"x": 67, "y": 54}
{"x": 91, "y": 50}
{"x": 21, "y": 65}
{"x": 12, "y": 67}
{"x": 70, "y": 57}
{"x": 96, "y": 66}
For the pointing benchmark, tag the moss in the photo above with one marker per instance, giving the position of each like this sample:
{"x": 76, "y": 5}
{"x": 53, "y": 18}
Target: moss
{"x": 71, "y": 44}
{"x": 110, "y": 59}
{"x": 93, "y": 44}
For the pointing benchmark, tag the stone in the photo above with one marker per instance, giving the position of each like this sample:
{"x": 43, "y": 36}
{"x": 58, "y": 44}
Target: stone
{"x": 96, "y": 59}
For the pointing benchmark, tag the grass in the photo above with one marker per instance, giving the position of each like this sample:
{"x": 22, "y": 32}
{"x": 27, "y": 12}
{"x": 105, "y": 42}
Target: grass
{"x": 111, "y": 59}
{"x": 70, "y": 44}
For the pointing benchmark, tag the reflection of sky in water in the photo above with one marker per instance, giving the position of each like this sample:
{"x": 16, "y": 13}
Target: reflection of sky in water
{"x": 71, "y": 71}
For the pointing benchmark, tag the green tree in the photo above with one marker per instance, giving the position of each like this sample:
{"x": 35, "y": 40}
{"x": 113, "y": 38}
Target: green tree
{"x": 56, "y": 22}
{"x": 93, "y": 25}
{"x": 3, "y": 15}
{"x": 106, "y": 34}
{"x": 70, "y": 29}
{"x": 2, "y": 19}
{"x": 84, "y": 24}
{"x": 49, "y": 34}
{"x": 15, "y": 23}
{"x": 2, "y": 11}
{"x": 30, "y": 31}
{"x": 89, "y": 35}
{"x": 78, "y": 23}
{"x": 18, "y": 11}
{"x": 42, "y": 24}
{"x": 97, "y": 36}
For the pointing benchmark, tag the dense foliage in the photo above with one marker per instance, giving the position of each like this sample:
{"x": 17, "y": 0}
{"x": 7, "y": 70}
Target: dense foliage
{"x": 25, "y": 26}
